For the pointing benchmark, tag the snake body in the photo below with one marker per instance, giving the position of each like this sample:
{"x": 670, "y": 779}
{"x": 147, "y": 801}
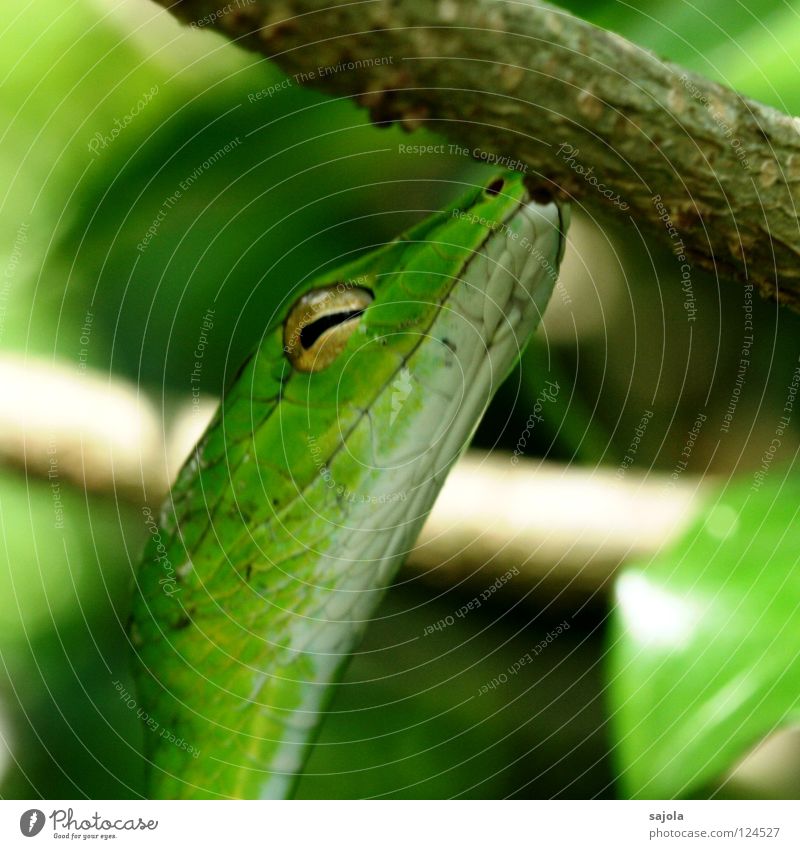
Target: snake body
{"x": 298, "y": 505}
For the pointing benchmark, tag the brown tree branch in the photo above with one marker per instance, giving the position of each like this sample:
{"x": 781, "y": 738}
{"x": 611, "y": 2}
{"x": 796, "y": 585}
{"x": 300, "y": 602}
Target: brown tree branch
{"x": 715, "y": 174}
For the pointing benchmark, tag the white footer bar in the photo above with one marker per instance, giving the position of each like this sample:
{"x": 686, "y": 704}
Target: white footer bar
{"x": 402, "y": 825}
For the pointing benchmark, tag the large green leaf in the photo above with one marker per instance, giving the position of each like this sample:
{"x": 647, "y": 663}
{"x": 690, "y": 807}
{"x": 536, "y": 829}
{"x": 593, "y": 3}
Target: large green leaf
{"x": 705, "y": 654}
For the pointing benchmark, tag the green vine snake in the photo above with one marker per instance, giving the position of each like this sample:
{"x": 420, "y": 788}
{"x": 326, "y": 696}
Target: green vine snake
{"x": 298, "y": 505}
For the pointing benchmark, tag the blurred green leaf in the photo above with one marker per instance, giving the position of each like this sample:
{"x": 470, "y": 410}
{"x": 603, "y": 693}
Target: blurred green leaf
{"x": 411, "y": 719}
{"x": 155, "y": 174}
{"x": 705, "y": 653}
{"x": 60, "y": 551}
{"x": 64, "y": 586}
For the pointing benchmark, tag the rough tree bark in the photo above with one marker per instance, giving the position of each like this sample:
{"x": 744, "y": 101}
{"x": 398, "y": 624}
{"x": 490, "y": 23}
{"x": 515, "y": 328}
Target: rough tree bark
{"x": 583, "y": 111}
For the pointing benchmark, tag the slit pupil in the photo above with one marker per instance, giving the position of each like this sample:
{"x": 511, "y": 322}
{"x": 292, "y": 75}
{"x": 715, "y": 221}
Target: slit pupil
{"x": 312, "y": 331}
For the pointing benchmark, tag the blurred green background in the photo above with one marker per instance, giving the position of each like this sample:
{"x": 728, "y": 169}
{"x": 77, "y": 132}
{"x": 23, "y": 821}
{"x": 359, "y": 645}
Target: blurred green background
{"x": 612, "y": 708}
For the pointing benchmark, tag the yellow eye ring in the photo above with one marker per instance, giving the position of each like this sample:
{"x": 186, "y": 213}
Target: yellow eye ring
{"x": 320, "y": 323}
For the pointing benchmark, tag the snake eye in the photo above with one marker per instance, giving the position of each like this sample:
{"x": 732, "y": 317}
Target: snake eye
{"x": 321, "y": 322}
